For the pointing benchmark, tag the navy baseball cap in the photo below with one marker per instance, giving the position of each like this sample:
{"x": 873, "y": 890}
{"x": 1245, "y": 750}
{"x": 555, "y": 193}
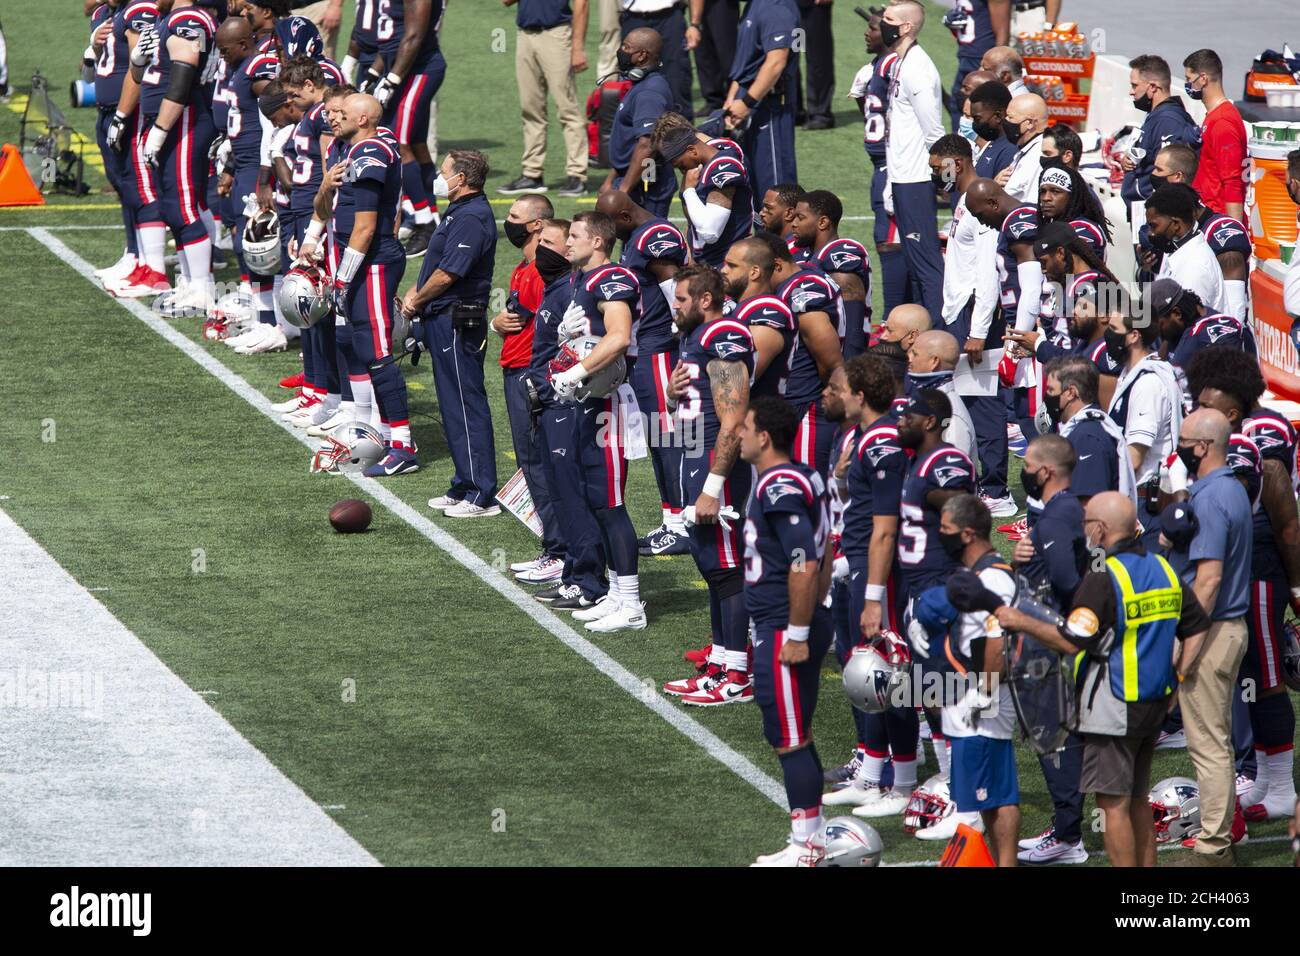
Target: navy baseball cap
{"x": 1161, "y": 296}
{"x": 1178, "y": 523}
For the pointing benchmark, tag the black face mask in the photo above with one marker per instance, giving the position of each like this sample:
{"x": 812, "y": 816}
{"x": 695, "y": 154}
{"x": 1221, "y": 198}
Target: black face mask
{"x": 944, "y": 184}
{"x": 516, "y": 232}
{"x": 1143, "y": 103}
{"x": 889, "y": 32}
{"x": 1053, "y": 405}
{"x": 1048, "y": 162}
{"x": 1115, "y": 346}
{"x": 624, "y": 61}
{"x": 952, "y": 544}
{"x": 987, "y": 133}
{"x": 1012, "y": 131}
{"x": 1158, "y": 181}
{"x": 551, "y": 265}
{"x": 1191, "y": 461}
{"x": 1029, "y": 479}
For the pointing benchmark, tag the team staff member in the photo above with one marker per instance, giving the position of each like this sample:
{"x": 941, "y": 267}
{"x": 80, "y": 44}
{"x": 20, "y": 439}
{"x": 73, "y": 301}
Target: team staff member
{"x": 450, "y": 297}
{"x": 762, "y": 93}
{"x": 665, "y": 19}
{"x": 1216, "y": 564}
{"x": 1220, "y": 179}
{"x": 913, "y": 123}
{"x": 1173, "y": 231}
{"x": 1128, "y": 671}
{"x": 523, "y": 229}
{"x": 988, "y": 108}
{"x": 1053, "y": 558}
{"x": 549, "y": 52}
{"x": 636, "y": 170}
{"x": 711, "y": 33}
{"x": 819, "y": 60}
{"x": 1024, "y": 125}
{"x": 983, "y": 24}
{"x": 1167, "y": 122}
{"x": 1101, "y": 461}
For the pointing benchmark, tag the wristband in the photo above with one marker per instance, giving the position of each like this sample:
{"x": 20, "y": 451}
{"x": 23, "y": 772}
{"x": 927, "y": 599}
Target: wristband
{"x": 119, "y": 116}
{"x": 348, "y": 66}
{"x": 314, "y": 232}
{"x": 793, "y": 633}
{"x": 714, "y": 484}
{"x": 748, "y": 100}
{"x": 876, "y": 592}
{"x": 350, "y": 264}
{"x": 393, "y": 80}
{"x": 1295, "y": 594}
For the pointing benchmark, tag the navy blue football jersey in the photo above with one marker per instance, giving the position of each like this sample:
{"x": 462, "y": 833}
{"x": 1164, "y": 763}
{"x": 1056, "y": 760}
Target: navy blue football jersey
{"x": 771, "y": 311}
{"x": 308, "y": 164}
{"x": 808, "y": 290}
{"x": 1274, "y": 436}
{"x": 243, "y": 122}
{"x": 115, "y": 57}
{"x": 975, "y": 36}
{"x": 1224, "y": 234}
{"x": 849, "y": 256}
{"x": 658, "y": 239}
{"x": 373, "y": 25}
{"x": 221, "y": 97}
{"x": 1222, "y": 330}
{"x": 876, "y": 474}
{"x": 723, "y": 339}
{"x": 197, "y": 25}
{"x": 724, "y": 171}
{"x": 1092, "y": 234}
{"x": 374, "y": 182}
{"x": 1021, "y": 226}
{"x": 1097, "y": 354}
{"x": 786, "y": 525}
{"x": 396, "y": 10}
{"x": 924, "y": 562}
{"x": 610, "y": 282}
{"x": 875, "y": 106}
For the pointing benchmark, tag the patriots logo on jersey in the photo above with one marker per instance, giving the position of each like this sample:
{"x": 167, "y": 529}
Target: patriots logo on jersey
{"x": 878, "y": 453}
{"x": 1264, "y": 440}
{"x": 779, "y": 489}
{"x": 611, "y": 289}
{"x": 1218, "y": 330}
{"x": 364, "y": 163}
{"x": 944, "y": 474}
{"x": 1226, "y": 232}
{"x": 193, "y": 33}
{"x": 839, "y": 260}
{"x": 1018, "y": 229}
{"x": 727, "y": 348}
{"x": 723, "y": 177}
{"x": 658, "y": 248}
{"x": 799, "y": 298}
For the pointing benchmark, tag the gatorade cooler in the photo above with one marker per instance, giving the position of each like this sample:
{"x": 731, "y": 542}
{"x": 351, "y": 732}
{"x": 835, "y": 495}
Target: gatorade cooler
{"x": 1272, "y": 213}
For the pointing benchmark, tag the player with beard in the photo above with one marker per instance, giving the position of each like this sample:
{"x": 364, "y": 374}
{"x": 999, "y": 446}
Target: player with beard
{"x": 747, "y": 271}
{"x": 845, "y": 262}
{"x": 710, "y": 391}
{"x": 776, "y": 215}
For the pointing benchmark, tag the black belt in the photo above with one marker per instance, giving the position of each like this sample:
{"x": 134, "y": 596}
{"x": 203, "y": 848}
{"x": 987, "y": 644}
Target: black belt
{"x": 657, "y": 15}
{"x": 1023, "y": 5}
{"x": 532, "y": 31}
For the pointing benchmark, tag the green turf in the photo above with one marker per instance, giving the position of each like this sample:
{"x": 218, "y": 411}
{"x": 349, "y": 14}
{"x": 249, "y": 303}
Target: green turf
{"x": 464, "y": 706}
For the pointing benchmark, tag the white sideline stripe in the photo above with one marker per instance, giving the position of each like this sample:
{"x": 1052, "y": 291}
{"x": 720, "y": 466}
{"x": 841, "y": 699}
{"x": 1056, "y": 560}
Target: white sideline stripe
{"x": 647, "y": 693}
{"x": 1100, "y": 854}
{"x": 131, "y": 768}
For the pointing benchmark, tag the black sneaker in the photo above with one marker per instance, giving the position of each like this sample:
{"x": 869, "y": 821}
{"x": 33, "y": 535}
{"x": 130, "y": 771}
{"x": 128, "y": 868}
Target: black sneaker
{"x": 667, "y": 543}
{"x": 575, "y": 603}
{"x": 418, "y": 240}
{"x": 819, "y": 122}
{"x": 555, "y": 593}
{"x": 643, "y": 544}
{"x": 524, "y": 184}
{"x": 573, "y": 187}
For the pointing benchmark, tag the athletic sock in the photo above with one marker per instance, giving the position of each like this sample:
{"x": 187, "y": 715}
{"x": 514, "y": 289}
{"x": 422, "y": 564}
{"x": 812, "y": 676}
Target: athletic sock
{"x": 153, "y": 240}
{"x": 363, "y": 397}
{"x": 629, "y": 589}
{"x": 943, "y": 754}
{"x": 802, "y": 771}
{"x": 400, "y": 435}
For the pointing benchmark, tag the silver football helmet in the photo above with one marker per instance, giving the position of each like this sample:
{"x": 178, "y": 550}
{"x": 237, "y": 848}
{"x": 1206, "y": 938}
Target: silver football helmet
{"x": 1176, "y": 808}
{"x": 348, "y": 450}
{"x": 261, "y": 246}
{"x": 878, "y": 673}
{"x": 234, "y": 312}
{"x": 303, "y": 296}
{"x": 930, "y": 803}
{"x": 847, "y": 841}
{"x": 599, "y": 384}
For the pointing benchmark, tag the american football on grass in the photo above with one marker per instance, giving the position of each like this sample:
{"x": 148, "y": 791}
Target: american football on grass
{"x": 350, "y": 516}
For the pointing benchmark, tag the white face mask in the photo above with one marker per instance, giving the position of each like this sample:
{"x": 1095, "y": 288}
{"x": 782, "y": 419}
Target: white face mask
{"x": 440, "y": 187}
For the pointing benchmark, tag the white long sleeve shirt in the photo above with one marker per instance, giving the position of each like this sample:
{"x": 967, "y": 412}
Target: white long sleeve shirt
{"x": 1193, "y": 266}
{"x": 1026, "y": 169}
{"x": 915, "y": 117}
{"x": 970, "y": 265}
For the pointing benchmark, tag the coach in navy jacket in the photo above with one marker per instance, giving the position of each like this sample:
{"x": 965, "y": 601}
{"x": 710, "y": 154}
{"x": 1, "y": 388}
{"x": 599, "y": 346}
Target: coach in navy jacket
{"x": 1167, "y": 122}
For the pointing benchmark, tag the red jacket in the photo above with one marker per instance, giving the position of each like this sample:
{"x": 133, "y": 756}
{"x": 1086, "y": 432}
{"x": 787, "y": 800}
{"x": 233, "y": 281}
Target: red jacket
{"x": 1220, "y": 177}
{"x": 517, "y": 350}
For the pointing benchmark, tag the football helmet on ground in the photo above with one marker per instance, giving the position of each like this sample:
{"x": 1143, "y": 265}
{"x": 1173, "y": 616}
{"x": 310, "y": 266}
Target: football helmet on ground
{"x": 1176, "y": 808}
{"x": 930, "y": 803}
{"x": 846, "y": 841}
{"x": 349, "y": 449}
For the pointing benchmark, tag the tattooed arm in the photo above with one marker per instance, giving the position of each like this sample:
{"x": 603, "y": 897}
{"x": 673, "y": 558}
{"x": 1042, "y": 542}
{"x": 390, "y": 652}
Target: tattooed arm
{"x": 729, "y": 382}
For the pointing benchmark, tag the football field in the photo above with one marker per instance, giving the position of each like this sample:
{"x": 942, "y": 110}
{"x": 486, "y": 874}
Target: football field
{"x": 426, "y": 707}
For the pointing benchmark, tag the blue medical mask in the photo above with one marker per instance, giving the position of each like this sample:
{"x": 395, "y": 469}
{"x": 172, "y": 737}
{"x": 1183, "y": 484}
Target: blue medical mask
{"x": 966, "y": 128}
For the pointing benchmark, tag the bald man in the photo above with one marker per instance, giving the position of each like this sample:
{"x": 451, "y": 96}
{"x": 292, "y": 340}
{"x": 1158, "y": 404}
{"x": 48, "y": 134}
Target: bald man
{"x": 986, "y": 25}
{"x": 635, "y": 167}
{"x": 1149, "y": 656}
{"x": 930, "y": 364}
{"x": 1214, "y": 559}
{"x": 904, "y": 323}
{"x": 1007, "y": 68}
{"x": 1025, "y": 123}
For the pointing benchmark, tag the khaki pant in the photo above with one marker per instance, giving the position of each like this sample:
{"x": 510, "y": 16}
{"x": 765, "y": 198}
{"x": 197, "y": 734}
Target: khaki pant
{"x": 1206, "y": 700}
{"x": 610, "y": 37}
{"x": 314, "y": 12}
{"x": 542, "y": 63}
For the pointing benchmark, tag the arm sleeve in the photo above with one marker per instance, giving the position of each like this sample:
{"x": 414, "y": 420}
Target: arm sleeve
{"x": 1030, "y": 275}
{"x": 708, "y": 219}
{"x": 986, "y": 283}
{"x": 268, "y": 139}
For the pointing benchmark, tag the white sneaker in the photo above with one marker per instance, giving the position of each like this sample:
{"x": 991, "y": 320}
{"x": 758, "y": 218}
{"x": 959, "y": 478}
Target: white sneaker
{"x": 443, "y": 502}
{"x": 1029, "y": 843}
{"x": 1051, "y": 850}
{"x": 888, "y": 804}
{"x": 519, "y": 567}
{"x": 463, "y": 509}
{"x": 1001, "y": 507}
{"x": 251, "y": 334}
{"x": 290, "y": 404}
{"x": 302, "y": 417}
{"x": 857, "y": 793}
{"x": 120, "y": 269}
{"x": 607, "y": 604}
{"x": 792, "y": 854}
{"x": 945, "y": 828}
{"x": 1244, "y": 786}
{"x": 272, "y": 340}
{"x": 552, "y": 569}
{"x": 336, "y": 418}
{"x": 627, "y": 617}
{"x": 1175, "y": 741}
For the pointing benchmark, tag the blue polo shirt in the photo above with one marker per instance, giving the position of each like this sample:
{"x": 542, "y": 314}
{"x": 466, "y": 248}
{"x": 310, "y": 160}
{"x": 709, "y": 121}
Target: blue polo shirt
{"x": 1225, "y": 534}
{"x": 1060, "y": 552}
{"x": 767, "y": 25}
{"x": 464, "y": 244}
{"x": 997, "y": 156}
{"x": 647, "y": 100}
{"x": 542, "y": 14}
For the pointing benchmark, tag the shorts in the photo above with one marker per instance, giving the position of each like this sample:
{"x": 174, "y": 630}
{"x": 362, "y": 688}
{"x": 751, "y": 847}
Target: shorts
{"x": 1117, "y": 766}
{"x": 1265, "y": 628}
{"x": 983, "y": 774}
{"x": 787, "y": 696}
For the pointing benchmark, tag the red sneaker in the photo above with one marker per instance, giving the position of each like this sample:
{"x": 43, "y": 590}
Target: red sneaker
{"x": 708, "y": 673}
{"x": 1016, "y": 529}
{"x": 733, "y": 688}
{"x": 293, "y": 381}
{"x": 1238, "y": 832}
{"x": 700, "y": 656}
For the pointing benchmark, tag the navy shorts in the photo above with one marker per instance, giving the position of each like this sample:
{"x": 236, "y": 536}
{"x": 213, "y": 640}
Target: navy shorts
{"x": 787, "y": 696}
{"x": 713, "y": 547}
{"x": 984, "y": 774}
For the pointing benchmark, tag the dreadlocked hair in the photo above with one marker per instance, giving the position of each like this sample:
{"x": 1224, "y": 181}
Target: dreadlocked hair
{"x": 1083, "y": 204}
